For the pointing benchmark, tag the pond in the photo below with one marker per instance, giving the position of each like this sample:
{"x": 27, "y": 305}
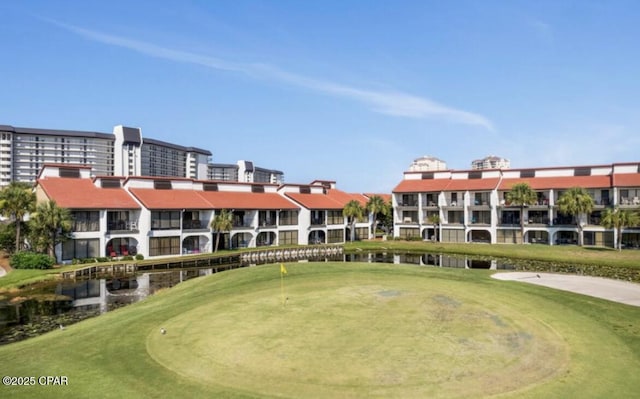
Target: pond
{"x": 43, "y": 307}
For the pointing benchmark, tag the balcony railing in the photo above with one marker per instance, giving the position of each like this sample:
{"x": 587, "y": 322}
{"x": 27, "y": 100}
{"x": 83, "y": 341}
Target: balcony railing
{"x": 194, "y": 225}
{"x": 122, "y": 225}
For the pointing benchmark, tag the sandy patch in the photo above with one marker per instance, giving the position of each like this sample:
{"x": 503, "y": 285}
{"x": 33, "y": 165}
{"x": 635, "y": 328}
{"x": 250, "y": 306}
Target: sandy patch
{"x": 612, "y": 290}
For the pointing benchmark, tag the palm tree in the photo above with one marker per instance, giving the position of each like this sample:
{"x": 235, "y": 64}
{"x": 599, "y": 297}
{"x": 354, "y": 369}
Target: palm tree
{"x": 522, "y": 195}
{"x": 222, "y": 222}
{"x": 50, "y": 225}
{"x": 353, "y": 210}
{"x": 17, "y": 200}
{"x": 375, "y": 206}
{"x": 619, "y": 219}
{"x": 434, "y": 219}
{"x": 576, "y": 201}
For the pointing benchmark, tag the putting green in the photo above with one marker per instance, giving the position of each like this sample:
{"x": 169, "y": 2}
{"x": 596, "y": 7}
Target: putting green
{"x": 365, "y": 334}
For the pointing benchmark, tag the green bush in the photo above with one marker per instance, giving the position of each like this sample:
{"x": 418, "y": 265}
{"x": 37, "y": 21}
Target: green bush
{"x": 103, "y": 259}
{"x": 127, "y": 257}
{"x": 139, "y": 257}
{"x": 31, "y": 260}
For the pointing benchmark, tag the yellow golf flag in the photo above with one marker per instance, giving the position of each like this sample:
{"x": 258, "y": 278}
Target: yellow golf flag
{"x": 283, "y": 270}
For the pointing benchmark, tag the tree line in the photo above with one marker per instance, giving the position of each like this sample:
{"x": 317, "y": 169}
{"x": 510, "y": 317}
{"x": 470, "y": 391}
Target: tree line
{"x": 29, "y": 225}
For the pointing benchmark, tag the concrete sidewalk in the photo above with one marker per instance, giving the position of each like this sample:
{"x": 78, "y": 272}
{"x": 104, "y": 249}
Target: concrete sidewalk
{"x": 612, "y": 290}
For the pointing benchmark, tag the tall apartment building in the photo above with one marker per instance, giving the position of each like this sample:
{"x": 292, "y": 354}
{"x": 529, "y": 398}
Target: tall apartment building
{"x": 23, "y": 151}
{"x": 490, "y": 162}
{"x": 244, "y": 172}
{"x": 125, "y": 152}
{"x": 472, "y": 206}
{"x": 427, "y": 163}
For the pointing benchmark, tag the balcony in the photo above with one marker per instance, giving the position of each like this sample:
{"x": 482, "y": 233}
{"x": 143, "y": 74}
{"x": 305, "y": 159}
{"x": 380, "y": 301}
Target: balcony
{"x": 629, "y": 201}
{"x": 124, "y": 226}
{"x": 194, "y": 225}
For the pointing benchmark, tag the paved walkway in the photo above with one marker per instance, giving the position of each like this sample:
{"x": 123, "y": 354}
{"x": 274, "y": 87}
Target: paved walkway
{"x": 613, "y": 290}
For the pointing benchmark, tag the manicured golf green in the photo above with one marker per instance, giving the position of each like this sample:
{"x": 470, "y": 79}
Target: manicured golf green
{"x": 343, "y": 331}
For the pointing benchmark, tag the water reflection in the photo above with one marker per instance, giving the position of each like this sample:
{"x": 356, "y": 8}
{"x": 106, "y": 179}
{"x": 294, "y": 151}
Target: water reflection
{"x": 50, "y": 305}
{"x": 435, "y": 260}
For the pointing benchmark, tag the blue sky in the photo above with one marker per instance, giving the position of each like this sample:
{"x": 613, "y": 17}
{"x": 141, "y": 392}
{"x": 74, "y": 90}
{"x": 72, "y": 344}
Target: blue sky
{"x": 350, "y": 91}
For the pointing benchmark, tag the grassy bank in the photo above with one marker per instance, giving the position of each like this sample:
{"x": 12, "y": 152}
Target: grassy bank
{"x": 567, "y": 254}
{"x": 556, "y": 253}
{"x": 347, "y": 330}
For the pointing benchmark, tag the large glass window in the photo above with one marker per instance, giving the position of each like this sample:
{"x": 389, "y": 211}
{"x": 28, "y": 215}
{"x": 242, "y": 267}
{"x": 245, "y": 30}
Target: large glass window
{"x": 80, "y": 249}
{"x": 85, "y": 221}
{"x": 409, "y": 232}
{"x": 159, "y": 246}
{"x": 267, "y": 218}
{"x": 317, "y": 218}
{"x": 117, "y": 220}
{"x": 335, "y": 217}
{"x": 165, "y": 220}
{"x": 288, "y": 218}
{"x": 455, "y": 217}
{"x": 334, "y": 236}
{"x": 288, "y": 237}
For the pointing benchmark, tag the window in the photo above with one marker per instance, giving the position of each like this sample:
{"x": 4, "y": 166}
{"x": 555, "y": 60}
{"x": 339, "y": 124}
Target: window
{"x": 159, "y": 246}
{"x": 165, "y": 220}
{"x": 334, "y": 236}
{"x": 288, "y": 218}
{"x": 85, "y": 221}
{"x": 288, "y": 237}
{"x": 408, "y": 232}
{"x": 335, "y": 217}
{"x": 80, "y": 249}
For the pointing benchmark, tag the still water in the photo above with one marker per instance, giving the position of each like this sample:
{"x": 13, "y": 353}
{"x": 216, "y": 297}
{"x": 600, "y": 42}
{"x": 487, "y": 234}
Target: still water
{"x": 51, "y": 305}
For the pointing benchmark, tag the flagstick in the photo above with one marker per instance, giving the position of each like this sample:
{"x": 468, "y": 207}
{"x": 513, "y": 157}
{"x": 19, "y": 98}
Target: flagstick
{"x": 282, "y": 287}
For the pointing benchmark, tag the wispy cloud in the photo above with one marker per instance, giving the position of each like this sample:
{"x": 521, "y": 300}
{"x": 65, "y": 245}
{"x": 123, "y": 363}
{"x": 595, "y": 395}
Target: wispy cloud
{"x": 386, "y": 102}
{"x": 542, "y": 29}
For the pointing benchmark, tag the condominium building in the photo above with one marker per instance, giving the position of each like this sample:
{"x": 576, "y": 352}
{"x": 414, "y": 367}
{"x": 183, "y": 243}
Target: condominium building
{"x": 23, "y": 151}
{"x": 157, "y": 216}
{"x": 472, "y": 206}
{"x": 427, "y": 164}
{"x": 244, "y": 171}
{"x": 491, "y": 162}
{"x": 125, "y": 152}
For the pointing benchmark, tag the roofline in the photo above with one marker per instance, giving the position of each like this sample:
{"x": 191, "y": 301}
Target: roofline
{"x": 148, "y": 140}
{"x": 57, "y": 132}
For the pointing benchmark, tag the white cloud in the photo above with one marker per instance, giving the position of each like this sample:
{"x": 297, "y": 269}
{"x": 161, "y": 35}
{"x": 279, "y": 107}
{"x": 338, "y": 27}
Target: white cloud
{"x": 542, "y": 29}
{"x": 385, "y": 102}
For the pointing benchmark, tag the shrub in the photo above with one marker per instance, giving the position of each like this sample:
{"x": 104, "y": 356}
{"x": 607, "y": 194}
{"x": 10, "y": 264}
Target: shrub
{"x": 31, "y": 260}
{"x": 127, "y": 257}
{"x": 139, "y": 257}
{"x": 103, "y": 259}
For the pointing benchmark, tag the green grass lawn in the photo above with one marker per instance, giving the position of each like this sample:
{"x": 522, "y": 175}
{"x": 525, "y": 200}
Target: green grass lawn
{"x": 347, "y": 331}
{"x": 548, "y": 253}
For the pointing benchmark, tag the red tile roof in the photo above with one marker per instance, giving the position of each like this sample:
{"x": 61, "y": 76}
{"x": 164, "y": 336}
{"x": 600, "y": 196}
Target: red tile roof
{"x": 472, "y": 184}
{"x": 315, "y": 201}
{"x": 545, "y": 183}
{"x": 333, "y": 199}
{"x": 236, "y": 200}
{"x": 428, "y": 185}
{"x": 191, "y": 199}
{"x": 626, "y": 180}
{"x": 170, "y": 199}
{"x": 343, "y": 197}
{"x": 385, "y": 197}
{"x": 421, "y": 186}
{"x": 74, "y": 193}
